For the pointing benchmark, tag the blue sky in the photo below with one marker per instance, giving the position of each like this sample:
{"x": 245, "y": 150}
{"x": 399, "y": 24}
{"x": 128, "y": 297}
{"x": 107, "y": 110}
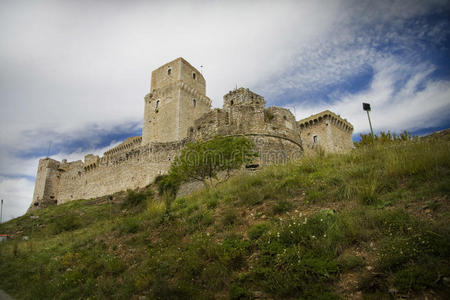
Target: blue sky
{"x": 73, "y": 74}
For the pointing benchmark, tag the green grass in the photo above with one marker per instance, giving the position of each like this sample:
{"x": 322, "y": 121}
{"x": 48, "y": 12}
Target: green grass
{"x": 297, "y": 231}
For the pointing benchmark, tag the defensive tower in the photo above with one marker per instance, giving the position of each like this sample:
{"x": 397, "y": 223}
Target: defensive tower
{"x": 177, "y": 98}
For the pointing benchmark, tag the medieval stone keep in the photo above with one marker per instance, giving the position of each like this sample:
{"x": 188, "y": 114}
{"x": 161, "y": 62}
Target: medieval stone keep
{"x": 177, "y": 111}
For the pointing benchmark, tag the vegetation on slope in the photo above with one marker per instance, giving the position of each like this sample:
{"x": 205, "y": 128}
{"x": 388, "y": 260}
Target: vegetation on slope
{"x": 373, "y": 223}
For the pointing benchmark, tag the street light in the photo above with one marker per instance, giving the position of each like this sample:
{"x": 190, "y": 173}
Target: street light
{"x": 366, "y": 107}
{"x": 1, "y": 213}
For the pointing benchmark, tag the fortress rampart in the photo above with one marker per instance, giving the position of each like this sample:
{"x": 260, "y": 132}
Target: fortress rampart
{"x": 177, "y": 112}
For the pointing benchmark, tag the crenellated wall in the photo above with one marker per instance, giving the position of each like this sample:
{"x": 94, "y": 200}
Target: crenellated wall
{"x": 177, "y": 112}
{"x": 274, "y": 130}
{"x": 326, "y": 131}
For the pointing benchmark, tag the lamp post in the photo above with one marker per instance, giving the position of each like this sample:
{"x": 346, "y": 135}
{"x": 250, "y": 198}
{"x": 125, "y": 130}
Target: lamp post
{"x": 366, "y": 107}
{"x": 1, "y": 213}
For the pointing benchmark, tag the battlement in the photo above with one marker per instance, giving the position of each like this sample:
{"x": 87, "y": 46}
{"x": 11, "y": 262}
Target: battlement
{"x": 177, "y": 97}
{"x": 177, "y": 111}
{"x": 128, "y": 144}
{"x": 242, "y": 96}
{"x": 326, "y": 131}
{"x": 334, "y": 119}
{"x": 178, "y": 70}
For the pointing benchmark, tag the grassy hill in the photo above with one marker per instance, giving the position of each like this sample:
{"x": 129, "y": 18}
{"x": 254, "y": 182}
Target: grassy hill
{"x": 372, "y": 224}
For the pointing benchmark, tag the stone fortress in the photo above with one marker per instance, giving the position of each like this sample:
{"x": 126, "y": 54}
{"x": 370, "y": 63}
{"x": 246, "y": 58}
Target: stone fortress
{"x": 177, "y": 111}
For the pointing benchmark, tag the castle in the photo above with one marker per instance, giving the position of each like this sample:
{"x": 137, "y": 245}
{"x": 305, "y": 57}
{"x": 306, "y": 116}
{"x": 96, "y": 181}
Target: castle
{"x": 176, "y": 112}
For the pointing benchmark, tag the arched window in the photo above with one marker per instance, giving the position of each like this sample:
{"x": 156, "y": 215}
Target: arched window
{"x": 194, "y": 102}
{"x": 157, "y": 103}
{"x": 315, "y": 139}
{"x": 194, "y": 76}
{"x": 169, "y": 71}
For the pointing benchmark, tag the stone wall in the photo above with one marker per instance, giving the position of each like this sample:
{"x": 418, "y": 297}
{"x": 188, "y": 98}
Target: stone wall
{"x": 326, "y": 131}
{"x": 274, "y": 130}
{"x": 177, "y": 98}
{"x": 60, "y": 182}
{"x": 177, "y": 111}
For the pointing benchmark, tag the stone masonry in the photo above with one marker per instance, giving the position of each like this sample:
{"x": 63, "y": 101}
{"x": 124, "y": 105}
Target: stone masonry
{"x": 177, "y": 111}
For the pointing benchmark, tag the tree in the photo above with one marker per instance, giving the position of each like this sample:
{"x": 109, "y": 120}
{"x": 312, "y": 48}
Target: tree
{"x": 203, "y": 161}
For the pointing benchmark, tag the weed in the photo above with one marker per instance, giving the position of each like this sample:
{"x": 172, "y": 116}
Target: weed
{"x": 229, "y": 218}
{"x": 257, "y": 230}
{"x": 129, "y": 225}
{"x": 134, "y": 199}
{"x": 281, "y": 206}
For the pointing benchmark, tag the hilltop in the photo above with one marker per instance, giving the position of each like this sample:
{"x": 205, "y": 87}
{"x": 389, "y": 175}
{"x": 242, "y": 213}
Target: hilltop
{"x": 369, "y": 224}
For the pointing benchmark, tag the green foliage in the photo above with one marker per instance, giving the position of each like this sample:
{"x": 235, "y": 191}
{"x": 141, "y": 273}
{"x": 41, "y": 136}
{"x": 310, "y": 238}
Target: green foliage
{"x": 268, "y": 115}
{"x": 67, "y": 222}
{"x": 134, "y": 198}
{"x": 169, "y": 184}
{"x": 257, "y": 230}
{"x": 385, "y": 138}
{"x": 204, "y": 160}
{"x": 237, "y": 292}
{"x": 229, "y": 218}
{"x": 129, "y": 225}
{"x": 281, "y": 206}
{"x": 286, "y": 232}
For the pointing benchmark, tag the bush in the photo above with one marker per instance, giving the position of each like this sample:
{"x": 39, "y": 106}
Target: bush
{"x": 229, "y": 218}
{"x": 257, "y": 230}
{"x": 134, "y": 199}
{"x": 281, "y": 206}
{"x": 66, "y": 223}
{"x": 129, "y": 225}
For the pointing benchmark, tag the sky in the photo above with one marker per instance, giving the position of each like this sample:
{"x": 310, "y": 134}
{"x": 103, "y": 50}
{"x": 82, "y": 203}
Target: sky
{"x": 73, "y": 74}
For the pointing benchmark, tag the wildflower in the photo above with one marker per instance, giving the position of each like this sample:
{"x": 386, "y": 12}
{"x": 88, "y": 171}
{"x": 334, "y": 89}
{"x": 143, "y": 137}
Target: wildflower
{"x": 324, "y": 235}
{"x": 321, "y": 220}
{"x": 313, "y": 236}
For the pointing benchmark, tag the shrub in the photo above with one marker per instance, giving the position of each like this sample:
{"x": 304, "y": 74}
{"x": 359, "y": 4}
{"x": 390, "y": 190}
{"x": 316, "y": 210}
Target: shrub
{"x": 233, "y": 251}
{"x": 237, "y": 292}
{"x": 348, "y": 262}
{"x": 129, "y": 225}
{"x": 229, "y": 218}
{"x": 281, "y": 206}
{"x": 134, "y": 199}
{"x": 66, "y": 223}
{"x": 257, "y": 230}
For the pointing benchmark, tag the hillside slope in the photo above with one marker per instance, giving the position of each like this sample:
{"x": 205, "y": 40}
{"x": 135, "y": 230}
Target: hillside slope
{"x": 372, "y": 224}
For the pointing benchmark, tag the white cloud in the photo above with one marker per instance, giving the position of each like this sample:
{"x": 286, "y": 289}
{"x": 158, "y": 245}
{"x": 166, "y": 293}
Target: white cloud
{"x": 408, "y": 107}
{"x": 16, "y": 194}
{"x": 75, "y": 70}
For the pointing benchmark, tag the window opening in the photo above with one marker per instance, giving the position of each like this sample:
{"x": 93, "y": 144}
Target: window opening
{"x": 194, "y": 102}
{"x": 315, "y": 139}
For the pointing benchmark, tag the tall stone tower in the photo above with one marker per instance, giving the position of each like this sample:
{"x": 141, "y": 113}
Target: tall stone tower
{"x": 177, "y": 98}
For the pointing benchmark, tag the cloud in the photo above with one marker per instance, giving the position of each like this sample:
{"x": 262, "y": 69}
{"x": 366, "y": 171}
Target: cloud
{"x": 73, "y": 74}
{"x": 403, "y": 97}
{"x": 16, "y": 193}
